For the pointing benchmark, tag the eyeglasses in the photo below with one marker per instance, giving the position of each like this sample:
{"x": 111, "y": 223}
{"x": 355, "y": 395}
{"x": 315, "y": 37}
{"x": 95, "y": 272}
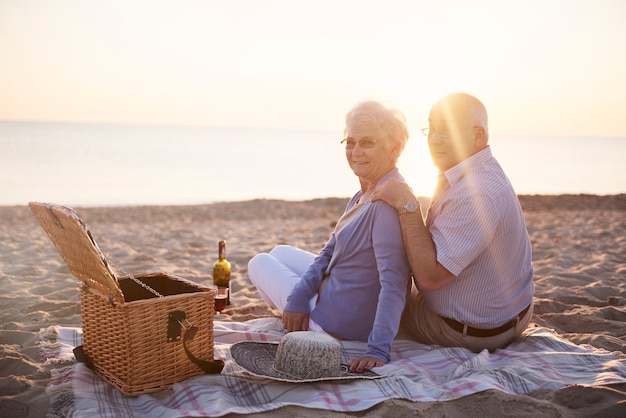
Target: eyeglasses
{"x": 443, "y": 132}
{"x": 365, "y": 143}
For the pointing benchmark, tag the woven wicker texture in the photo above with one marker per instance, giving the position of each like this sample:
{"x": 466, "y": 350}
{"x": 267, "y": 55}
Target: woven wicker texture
{"x": 77, "y": 248}
{"x": 128, "y": 343}
{"x": 125, "y": 325}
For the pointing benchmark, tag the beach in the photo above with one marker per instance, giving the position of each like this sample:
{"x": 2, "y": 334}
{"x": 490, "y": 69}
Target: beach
{"x": 579, "y": 256}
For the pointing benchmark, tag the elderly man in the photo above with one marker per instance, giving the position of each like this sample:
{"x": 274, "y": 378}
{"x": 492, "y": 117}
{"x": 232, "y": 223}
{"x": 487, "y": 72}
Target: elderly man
{"x": 471, "y": 256}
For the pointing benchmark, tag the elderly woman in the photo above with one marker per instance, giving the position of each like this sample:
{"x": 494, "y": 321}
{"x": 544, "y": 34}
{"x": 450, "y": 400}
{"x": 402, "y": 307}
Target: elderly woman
{"x": 356, "y": 288}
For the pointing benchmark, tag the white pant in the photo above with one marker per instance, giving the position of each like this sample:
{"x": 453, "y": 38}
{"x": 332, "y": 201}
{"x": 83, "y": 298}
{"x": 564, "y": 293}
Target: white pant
{"x": 277, "y": 273}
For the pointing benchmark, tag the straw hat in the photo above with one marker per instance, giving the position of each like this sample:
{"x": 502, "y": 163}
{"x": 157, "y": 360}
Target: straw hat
{"x": 303, "y": 356}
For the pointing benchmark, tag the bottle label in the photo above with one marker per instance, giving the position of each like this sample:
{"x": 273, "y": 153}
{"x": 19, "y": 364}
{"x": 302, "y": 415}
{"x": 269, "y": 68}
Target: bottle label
{"x": 221, "y": 276}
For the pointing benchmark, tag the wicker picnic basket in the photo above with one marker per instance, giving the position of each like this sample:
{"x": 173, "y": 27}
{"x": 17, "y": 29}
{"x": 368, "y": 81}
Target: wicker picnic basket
{"x": 143, "y": 332}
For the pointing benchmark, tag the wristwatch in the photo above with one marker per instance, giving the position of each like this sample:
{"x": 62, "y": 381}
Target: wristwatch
{"x": 409, "y": 207}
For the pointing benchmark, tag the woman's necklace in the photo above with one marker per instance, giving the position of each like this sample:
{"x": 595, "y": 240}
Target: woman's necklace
{"x": 364, "y": 197}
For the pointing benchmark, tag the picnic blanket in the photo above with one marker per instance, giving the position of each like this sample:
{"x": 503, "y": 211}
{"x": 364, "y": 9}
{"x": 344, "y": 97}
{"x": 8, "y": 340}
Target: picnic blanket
{"x": 416, "y": 372}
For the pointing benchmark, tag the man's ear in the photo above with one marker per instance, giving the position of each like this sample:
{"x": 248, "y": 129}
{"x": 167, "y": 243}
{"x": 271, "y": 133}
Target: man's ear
{"x": 480, "y": 137}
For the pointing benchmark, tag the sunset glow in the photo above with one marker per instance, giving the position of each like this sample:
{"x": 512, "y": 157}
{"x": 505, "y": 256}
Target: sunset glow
{"x": 552, "y": 68}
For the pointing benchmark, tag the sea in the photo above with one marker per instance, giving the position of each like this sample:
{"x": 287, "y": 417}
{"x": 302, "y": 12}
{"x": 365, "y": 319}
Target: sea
{"x": 84, "y": 164}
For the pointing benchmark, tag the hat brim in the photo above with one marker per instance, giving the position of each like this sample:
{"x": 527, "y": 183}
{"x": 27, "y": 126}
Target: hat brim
{"x": 258, "y": 359}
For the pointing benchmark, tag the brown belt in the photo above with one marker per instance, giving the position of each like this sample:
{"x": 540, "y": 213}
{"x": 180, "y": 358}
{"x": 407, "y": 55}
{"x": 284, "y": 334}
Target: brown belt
{"x": 481, "y": 332}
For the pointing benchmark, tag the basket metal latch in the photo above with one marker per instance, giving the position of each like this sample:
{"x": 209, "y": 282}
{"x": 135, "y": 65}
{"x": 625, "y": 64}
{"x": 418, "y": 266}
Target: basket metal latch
{"x": 176, "y": 322}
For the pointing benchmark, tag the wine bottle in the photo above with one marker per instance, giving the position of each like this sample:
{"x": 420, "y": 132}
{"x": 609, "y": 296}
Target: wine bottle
{"x": 221, "y": 270}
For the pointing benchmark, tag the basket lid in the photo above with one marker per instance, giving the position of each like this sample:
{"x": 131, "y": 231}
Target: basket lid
{"x": 77, "y": 247}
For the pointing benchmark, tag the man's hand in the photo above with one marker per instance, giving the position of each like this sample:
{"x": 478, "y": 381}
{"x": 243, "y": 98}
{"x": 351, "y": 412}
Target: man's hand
{"x": 364, "y": 363}
{"x": 394, "y": 192}
{"x": 295, "y": 321}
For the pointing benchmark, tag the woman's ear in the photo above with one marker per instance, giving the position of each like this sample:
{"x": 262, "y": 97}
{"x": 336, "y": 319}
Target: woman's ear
{"x": 394, "y": 151}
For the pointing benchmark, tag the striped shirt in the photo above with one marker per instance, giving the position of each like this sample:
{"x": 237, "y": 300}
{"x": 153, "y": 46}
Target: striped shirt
{"x": 479, "y": 231}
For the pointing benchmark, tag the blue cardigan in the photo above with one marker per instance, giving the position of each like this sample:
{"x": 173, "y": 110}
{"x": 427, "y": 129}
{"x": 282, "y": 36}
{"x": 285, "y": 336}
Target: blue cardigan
{"x": 368, "y": 279}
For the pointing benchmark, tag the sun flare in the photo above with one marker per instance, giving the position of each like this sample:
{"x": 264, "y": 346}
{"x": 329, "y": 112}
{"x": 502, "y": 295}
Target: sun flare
{"x": 417, "y": 167}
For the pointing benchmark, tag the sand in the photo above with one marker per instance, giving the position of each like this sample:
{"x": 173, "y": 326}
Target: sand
{"x": 579, "y": 253}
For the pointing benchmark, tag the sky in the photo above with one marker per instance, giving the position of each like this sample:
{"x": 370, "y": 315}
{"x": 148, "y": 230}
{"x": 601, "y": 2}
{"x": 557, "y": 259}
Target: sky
{"x": 542, "y": 67}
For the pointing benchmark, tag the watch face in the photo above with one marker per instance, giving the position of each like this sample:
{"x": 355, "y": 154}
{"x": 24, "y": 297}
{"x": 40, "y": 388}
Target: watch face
{"x": 410, "y": 206}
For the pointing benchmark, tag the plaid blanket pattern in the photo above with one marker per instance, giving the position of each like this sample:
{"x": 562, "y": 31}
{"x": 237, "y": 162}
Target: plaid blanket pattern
{"x": 538, "y": 360}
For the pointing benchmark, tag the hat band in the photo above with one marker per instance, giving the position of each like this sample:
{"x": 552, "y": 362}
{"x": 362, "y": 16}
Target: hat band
{"x": 342, "y": 367}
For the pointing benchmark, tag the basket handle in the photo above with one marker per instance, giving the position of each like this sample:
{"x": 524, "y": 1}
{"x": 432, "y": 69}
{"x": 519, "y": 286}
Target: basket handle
{"x": 212, "y": 367}
{"x": 175, "y": 323}
{"x": 82, "y": 357}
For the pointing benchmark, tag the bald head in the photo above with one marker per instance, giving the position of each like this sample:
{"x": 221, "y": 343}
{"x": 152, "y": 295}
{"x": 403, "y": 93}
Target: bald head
{"x": 458, "y": 129}
{"x": 462, "y": 108}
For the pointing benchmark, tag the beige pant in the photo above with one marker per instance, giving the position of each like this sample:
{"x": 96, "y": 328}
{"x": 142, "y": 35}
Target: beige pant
{"x": 427, "y": 327}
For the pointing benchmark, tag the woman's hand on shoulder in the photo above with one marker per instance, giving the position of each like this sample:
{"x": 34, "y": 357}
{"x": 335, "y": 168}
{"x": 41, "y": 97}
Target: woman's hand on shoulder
{"x": 364, "y": 363}
{"x": 295, "y": 321}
